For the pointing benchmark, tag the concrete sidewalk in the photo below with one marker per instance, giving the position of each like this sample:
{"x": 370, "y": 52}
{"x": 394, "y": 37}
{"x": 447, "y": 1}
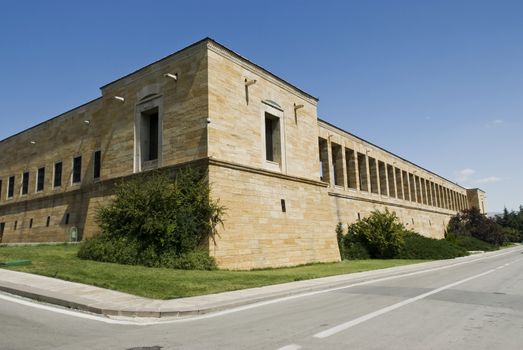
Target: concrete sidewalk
{"x": 111, "y": 303}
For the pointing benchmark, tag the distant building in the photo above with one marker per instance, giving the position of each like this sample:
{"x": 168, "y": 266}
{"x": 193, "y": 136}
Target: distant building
{"x": 286, "y": 177}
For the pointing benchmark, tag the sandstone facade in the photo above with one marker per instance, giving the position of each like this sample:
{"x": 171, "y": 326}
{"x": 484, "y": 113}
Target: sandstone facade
{"x": 286, "y": 177}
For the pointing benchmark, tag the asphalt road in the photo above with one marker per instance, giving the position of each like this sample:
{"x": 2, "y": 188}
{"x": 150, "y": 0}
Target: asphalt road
{"x": 477, "y": 305}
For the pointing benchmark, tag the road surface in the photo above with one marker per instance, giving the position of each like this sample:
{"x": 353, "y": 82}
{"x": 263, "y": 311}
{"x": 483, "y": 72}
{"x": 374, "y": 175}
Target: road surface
{"x": 474, "y": 305}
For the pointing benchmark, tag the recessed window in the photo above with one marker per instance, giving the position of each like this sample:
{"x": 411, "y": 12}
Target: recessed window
{"x": 15, "y": 225}
{"x": 412, "y": 221}
{"x": 149, "y": 135}
{"x": 97, "y": 164}
{"x": 66, "y": 220}
{"x": 40, "y": 180}
{"x": 0, "y": 189}
{"x": 11, "y": 187}
{"x": 31, "y": 223}
{"x": 359, "y": 216}
{"x": 272, "y": 138}
{"x": 283, "y": 207}
{"x": 57, "y": 174}
{"x": 77, "y": 169}
{"x": 25, "y": 183}
{"x": 48, "y": 222}
{"x": 2, "y": 229}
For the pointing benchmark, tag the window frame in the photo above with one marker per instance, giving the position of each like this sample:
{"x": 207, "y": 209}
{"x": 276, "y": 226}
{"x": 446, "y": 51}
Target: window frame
{"x": 37, "y": 182}
{"x": 73, "y": 171}
{"x": 22, "y": 183}
{"x": 61, "y": 173}
{"x": 95, "y": 153}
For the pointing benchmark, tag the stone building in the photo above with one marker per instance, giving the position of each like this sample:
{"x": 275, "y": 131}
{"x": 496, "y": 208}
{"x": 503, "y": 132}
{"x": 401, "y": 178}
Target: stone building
{"x": 286, "y": 177}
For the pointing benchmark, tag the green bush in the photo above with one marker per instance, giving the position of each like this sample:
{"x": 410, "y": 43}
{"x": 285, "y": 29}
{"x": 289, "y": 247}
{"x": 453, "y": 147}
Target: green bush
{"x": 512, "y": 222}
{"x": 382, "y": 236}
{"x": 356, "y": 251}
{"x": 154, "y": 220}
{"x": 470, "y": 222}
{"x": 470, "y": 243}
{"x": 420, "y": 247}
{"x": 381, "y": 233}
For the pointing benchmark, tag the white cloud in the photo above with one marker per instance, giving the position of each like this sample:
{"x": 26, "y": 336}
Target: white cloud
{"x": 465, "y": 174}
{"x": 489, "y": 179}
{"x": 494, "y": 122}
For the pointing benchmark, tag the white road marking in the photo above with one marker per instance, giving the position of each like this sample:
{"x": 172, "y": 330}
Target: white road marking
{"x": 155, "y": 321}
{"x": 290, "y": 347}
{"x": 331, "y": 331}
{"x": 63, "y": 311}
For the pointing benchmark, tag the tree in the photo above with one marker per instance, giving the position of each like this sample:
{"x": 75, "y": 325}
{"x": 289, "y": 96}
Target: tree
{"x": 470, "y": 222}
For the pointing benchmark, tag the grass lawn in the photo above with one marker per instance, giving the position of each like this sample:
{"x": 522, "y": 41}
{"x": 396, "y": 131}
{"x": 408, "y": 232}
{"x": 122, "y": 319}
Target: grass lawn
{"x": 160, "y": 283}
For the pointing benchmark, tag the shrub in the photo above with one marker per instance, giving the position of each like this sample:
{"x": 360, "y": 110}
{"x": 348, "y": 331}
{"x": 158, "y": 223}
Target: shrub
{"x": 381, "y": 234}
{"x": 470, "y": 243}
{"x": 420, "y": 247}
{"x": 356, "y": 251}
{"x": 470, "y": 222}
{"x": 154, "y": 220}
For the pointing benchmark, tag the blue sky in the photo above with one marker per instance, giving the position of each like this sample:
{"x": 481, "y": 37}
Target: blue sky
{"x": 437, "y": 82}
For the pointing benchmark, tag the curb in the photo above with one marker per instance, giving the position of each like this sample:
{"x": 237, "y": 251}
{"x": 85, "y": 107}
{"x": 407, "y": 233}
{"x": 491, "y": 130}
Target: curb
{"x": 126, "y": 305}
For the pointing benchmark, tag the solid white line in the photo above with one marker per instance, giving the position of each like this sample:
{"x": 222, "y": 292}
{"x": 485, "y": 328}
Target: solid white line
{"x": 63, "y": 311}
{"x": 357, "y": 321}
{"x": 154, "y": 321}
{"x": 290, "y": 347}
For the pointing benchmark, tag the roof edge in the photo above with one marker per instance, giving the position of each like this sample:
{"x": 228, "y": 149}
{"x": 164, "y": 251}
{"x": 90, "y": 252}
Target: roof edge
{"x": 232, "y": 52}
{"x": 392, "y": 153}
{"x": 51, "y": 119}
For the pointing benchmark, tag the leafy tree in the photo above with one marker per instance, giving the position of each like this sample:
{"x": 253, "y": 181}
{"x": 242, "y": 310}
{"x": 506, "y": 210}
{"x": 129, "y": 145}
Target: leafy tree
{"x": 155, "y": 218}
{"x": 381, "y": 233}
{"x": 470, "y": 222}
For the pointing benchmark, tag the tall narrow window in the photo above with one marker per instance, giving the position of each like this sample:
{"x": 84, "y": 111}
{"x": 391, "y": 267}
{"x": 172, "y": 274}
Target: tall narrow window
{"x": 97, "y": 164}
{"x": 324, "y": 160}
{"x": 66, "y": 220}
{"x": 272, "y": 138}
{"x": 337, "y": 164}
{"x": 77, "y": 169}
{"x": 406, "y": 190}
{"x": 390, "y": 178}
{"x": 412, "y": 188}
{"x": 40, "y": 180}
{"x": 15, "y": 225}
{"x": 25, "y": 183}
{"x": 2, "y": 229}
{"x": 11, "y": 187}
{"x": 399, "y": 183}
{"x": 149, "y": 135}
{"x": 48, "y": 222}
{"x": 0, "y": 190}
{"x": 362, "y": 169}
{"x": 351, "y": 168}
{"x": 373, "y": 170}
{"x": 57, "y": 174}
{"x": 31, "y": 223}
{"x": 383, "y": 178}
